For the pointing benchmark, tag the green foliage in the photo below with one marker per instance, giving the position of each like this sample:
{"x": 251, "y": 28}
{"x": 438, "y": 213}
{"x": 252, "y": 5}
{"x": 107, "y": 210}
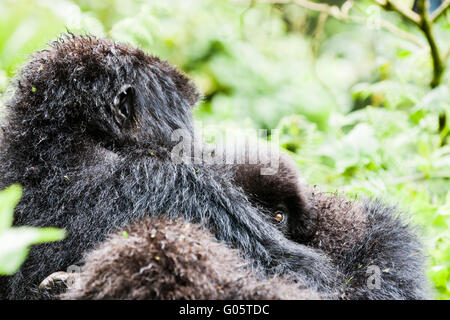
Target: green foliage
{"x": 352, "y": 103}
{"x": 15, "y": 241}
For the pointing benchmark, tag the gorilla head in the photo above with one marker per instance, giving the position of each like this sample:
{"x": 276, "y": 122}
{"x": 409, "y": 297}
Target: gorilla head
{"x": 280, "y": 196}
{"x": 103, "y": 91}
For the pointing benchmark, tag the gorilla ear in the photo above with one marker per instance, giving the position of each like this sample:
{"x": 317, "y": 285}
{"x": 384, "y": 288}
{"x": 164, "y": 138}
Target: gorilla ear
{"x": 123, "y": 107}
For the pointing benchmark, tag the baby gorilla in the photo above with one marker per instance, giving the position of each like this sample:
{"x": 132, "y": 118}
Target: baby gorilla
{"x": 172, "y": 259}
{"x": 279, "y": 195}
{"x": 377, "y": 253}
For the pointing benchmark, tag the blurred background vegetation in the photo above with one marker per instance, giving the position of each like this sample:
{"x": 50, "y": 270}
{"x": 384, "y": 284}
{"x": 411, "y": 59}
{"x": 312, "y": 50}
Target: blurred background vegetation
{"x": 351, "y": 97}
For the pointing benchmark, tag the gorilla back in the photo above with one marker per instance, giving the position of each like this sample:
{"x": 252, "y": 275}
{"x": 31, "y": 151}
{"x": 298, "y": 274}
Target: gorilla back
{"x": 88, "y": 135}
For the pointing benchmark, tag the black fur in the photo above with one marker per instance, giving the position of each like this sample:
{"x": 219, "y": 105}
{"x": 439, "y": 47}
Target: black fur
{"x": 355, "y": 234}
{"x": 172, "y": 259}
{"x": 279, "y": 193}
{"x": 88, "y": 135}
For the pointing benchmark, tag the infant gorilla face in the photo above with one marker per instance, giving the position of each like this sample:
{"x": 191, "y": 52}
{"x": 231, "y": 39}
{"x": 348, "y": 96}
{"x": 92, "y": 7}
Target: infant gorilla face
{"x": 280, "y": 196}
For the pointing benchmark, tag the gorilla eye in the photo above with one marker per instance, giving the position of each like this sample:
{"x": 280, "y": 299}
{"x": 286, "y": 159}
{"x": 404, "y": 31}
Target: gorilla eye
{"x": 279, "y": 216}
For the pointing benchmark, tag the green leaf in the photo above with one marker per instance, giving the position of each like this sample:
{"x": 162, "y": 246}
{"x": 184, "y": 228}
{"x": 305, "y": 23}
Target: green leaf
{"x": 8, "y": 201}
{"x": 15, "y": 243}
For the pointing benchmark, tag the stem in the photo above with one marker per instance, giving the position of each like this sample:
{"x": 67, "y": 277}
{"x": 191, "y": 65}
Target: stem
{"x": 405, "y": 12}
{"x": 426, "y": 27}
{"x": 422, "y": 21}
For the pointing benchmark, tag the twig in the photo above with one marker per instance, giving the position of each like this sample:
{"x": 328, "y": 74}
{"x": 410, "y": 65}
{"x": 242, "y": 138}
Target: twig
{"x": 439, "y": 11}
{"x": 405, "y": 12}
{"x": 320, "y": 25}
{"x": 343, "y": 14}
{"x": 332, "y": 10}
{"x": 395, "y": 30}
{"x": 422, "y": 21}
{"x": 402, "y": 33}
{"x": 426, "y": 27}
